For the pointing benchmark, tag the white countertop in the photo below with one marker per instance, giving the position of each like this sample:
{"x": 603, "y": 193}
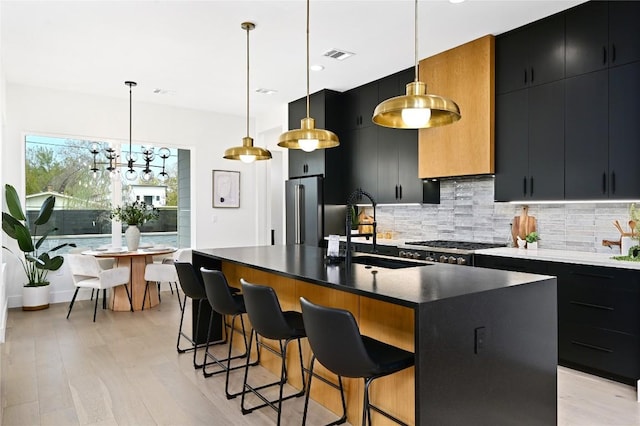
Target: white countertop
{"x": 564, "y": 256}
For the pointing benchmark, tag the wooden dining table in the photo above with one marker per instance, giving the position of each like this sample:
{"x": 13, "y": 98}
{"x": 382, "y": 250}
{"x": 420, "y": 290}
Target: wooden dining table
{"x": 136, "y": 260}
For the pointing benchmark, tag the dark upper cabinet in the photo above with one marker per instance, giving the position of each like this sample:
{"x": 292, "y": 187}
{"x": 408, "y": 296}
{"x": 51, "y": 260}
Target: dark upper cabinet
{"x": 602, "y": 34}
{"x": 324, "y": 108}
{"x": 398, "y": 166}
{"x": 587, "y": 34}
{"x": 624, "y": 31}
{"x": 360, "y": 103}
{"x": 530, "y": 144}
{"x": 531, "y": 55}
{"x": 586, "y": 146}
{"x": 362, "y": 152}
{"x": 380, "y": 160}
{"x": 624, "y": 131}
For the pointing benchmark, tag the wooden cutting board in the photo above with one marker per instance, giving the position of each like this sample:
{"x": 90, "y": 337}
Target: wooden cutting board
{"x": 363, "y": 218}
{"x": 522, "y": 225}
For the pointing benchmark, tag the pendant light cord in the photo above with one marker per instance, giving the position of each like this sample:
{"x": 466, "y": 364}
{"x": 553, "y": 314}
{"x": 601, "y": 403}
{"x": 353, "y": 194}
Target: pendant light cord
{"x": 415, "y": 30}
{"x": 307, "y": 58}
{"x": 130, "y": 120}
{"x": 248, "y": 28}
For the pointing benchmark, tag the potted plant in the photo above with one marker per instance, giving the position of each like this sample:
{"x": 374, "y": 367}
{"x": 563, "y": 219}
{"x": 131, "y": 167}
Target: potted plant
{"x": 35, "y": 261}
{"x": 532, "y": 240}
{"x": 134, "y": 215}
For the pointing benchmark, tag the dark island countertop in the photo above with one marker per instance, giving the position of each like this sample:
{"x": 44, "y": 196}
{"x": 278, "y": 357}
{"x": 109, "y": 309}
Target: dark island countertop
{"x": 408, "y": 286}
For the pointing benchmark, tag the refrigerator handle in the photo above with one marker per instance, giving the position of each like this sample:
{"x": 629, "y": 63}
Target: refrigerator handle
{"x": 298, "y": 213}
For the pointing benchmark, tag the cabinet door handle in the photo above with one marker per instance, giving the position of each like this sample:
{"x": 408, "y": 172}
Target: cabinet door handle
{"x": 613, "y": 53}
{"x": 525, "y": 76}
{"x": 401, "y": 192}
{"x": 531, "y": 185}
{"x": 604, "y": 182}
{"x": 587, "y": 345}
{"x": 604, "y": 55}
{"x": 583, "y": 274}
{"x": 524, "y": 185}
{"x": 396, "y": 192}
{"x": 531, "y": 74}
{"x": 591, "y": 305}
{"x": 613, "y": 182}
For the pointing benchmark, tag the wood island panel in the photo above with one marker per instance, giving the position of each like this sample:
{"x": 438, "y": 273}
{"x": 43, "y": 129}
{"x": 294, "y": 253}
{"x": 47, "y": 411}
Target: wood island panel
{"x": 384, "y": 321}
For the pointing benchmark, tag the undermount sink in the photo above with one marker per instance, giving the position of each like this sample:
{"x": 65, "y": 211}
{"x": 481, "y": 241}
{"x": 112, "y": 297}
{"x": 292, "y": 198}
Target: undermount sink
{"x": 382, "y": 262}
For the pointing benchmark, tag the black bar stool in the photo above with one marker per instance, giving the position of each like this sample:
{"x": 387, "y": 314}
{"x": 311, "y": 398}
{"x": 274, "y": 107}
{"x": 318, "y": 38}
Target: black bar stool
{"x": 270, "y": 322}
{"x": 225, "y": 303}
{"x": 193, "y": 289}
{"x": 336, "y": 342}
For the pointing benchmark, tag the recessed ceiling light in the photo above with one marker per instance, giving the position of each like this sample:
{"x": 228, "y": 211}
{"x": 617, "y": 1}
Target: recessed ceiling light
{"x": 338, "y": 54}
{"x": 159, "y": 91}
{"x": 316, "y": 67}
{"x": 266, "y": 91}
{"x": 456, "y": 1}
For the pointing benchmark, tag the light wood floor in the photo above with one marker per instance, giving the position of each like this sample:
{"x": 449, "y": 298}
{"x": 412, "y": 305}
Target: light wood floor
{"x": 124, "y": 370}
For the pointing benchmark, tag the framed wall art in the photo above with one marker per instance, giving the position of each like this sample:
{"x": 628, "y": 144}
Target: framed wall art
{"x": 226, "y": 188}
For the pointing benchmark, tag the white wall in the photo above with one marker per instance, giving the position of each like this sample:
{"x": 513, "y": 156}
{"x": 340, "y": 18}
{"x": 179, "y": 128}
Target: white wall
{"x": 207, "y": 134}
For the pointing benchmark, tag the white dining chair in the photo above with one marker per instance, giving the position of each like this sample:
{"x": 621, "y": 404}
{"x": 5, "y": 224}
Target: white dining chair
{"x": 87, "y": 273}
{"x": 104, "y": 262}
{"x": 160, "y": 272}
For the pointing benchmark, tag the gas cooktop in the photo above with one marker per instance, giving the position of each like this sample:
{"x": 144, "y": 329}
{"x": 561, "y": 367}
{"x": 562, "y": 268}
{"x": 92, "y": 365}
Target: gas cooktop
{"x": 458, "y": 245}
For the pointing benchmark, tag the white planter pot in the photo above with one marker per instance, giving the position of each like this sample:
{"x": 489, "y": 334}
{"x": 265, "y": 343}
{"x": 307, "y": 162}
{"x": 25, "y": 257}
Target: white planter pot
{"x": 35, "y": 298}
{"x": 532, "y": 246}
{"x": 132, "y": 235}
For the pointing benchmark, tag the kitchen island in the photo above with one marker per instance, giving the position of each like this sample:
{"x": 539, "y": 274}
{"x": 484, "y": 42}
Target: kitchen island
{"x": 485, "y": 341}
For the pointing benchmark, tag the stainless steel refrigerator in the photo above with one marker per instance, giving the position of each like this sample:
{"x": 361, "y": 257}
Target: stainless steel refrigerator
{"x": 305, "y": 211}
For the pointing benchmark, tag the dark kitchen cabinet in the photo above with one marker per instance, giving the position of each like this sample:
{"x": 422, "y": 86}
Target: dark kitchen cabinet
{"x": 362, "y": 153}
{"x": 360, "y": 103}
{"x": 530, "y": 143}
{"x": 600, "y": 35}
{"x": 599, "y": 320}
{"x": 586, "y": 147}
{"x": 598, "y": 314}
{"x": 530, "y": 55}
{"x": 398, "y": 166}
{"x": 601, "y": 140}
{"x": 324, "y": 108}
{"x": 624, "y": 131}
{"x": 382, "y": 161}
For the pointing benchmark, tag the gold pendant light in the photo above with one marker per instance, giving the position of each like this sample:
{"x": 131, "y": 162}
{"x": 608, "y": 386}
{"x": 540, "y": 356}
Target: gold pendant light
{"x": 247, "y": 153}
{"x": 416, "y": 109}
{"x": 307, "y": 137}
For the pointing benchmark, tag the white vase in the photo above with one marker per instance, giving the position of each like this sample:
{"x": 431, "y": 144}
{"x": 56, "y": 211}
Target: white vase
{"x": 132, "y": 235}
{"x": 35, "y": 298}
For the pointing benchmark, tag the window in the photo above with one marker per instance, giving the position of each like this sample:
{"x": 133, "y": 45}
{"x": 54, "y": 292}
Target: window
{"x": 62, "y": 167}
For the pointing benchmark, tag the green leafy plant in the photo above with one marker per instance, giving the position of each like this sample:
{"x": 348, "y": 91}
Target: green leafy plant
{"x": 532, "y": 237}
{"x": 135, "y": 213}
{"x": 36, "y": 262}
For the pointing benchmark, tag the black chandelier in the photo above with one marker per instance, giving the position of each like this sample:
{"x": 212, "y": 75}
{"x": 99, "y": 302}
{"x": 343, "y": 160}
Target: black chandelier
{"x": 148, "y": 155}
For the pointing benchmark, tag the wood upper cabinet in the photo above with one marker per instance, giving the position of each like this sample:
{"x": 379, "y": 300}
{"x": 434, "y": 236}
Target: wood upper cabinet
{"x": 531, "y": 55}
{"x": 602, "y": 34}
{"x": 464, "y": 74}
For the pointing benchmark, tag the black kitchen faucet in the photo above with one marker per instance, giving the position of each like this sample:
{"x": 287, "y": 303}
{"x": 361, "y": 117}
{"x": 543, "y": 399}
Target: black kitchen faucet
{"x": 351, "y": 202}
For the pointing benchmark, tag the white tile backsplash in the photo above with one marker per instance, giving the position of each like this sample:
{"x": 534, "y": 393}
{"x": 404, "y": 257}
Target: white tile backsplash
{"x": 467, "y": 212}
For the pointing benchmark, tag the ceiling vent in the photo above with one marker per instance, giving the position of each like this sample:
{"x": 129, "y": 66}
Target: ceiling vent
{"x": 338, "y": 54}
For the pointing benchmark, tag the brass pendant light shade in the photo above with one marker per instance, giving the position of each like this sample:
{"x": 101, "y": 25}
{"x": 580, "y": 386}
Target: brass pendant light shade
{"x": 247, "y": 153}
{"x": 416, "y": 109}
{"x": 307, "y": 137}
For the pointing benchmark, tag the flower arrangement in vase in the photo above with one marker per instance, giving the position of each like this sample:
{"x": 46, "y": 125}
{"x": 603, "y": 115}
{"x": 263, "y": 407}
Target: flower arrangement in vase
{"x": 134, "y": 214}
